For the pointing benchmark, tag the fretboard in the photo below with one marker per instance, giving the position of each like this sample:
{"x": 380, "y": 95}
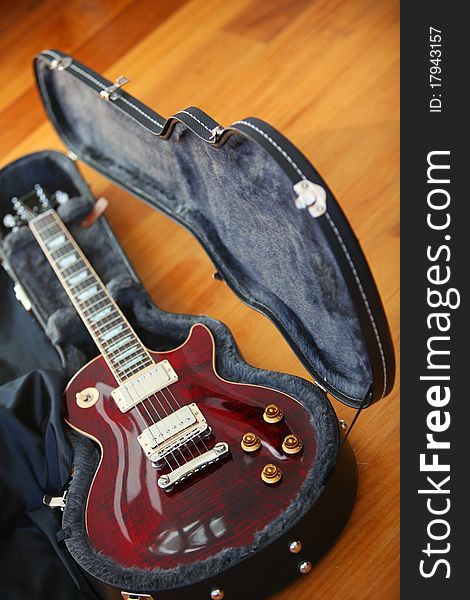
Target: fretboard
{"x": 115, "y": 338}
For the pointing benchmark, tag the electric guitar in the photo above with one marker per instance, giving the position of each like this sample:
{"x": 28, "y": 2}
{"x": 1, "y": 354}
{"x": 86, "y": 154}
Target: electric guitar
{"x": 190, "y": 463}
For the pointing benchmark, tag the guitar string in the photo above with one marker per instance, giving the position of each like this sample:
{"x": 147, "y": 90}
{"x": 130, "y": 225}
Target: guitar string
{"x": 199, "y": 435}
{"x": 179, "y": 406}
{"x": 185, "y": 445}
{"x": 153, "y": 423}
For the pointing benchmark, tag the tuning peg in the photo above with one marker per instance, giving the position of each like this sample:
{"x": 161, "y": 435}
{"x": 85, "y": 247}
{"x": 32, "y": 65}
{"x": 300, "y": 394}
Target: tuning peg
{"x": 61, "y": 197}
{"x": 9, "y": 221}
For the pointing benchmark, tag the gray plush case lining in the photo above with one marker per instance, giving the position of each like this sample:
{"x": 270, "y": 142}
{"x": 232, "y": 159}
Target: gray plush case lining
{"x": 280, "y": 263}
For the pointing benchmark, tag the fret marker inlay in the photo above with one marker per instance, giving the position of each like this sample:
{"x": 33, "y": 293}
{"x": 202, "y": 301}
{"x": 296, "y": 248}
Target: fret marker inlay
{"x": 78, "y": 278}
{"x": 88, "y": 293}
{"x": 56, "y": 242}
{"x": 67, "y": 261}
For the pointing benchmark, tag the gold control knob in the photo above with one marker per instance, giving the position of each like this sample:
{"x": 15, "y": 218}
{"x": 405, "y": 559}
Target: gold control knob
{"x": 87, "y": 397}
{"x": 250, "y": 442}
{"x": 273, "y": 414}
{"x": 271, "y": 474}
{"x": 292, "y": 444}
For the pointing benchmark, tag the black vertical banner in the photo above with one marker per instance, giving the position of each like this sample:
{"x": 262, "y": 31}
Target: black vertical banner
{"x": 435, "y": 232}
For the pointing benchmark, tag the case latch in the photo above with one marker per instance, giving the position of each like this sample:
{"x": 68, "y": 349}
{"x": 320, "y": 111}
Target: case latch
{"x": 60, "y": 64}
{"x": 111, "y": 93}
{"x": 310, "y": 196}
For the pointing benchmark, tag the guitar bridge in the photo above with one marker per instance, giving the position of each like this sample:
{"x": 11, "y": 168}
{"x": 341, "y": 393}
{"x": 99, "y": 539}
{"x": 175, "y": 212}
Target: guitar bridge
{"x": 166, "y": 482}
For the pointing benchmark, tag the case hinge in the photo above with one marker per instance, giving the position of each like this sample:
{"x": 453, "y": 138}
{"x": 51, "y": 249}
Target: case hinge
{"x": 217, "y": 132}
{"x": 111, "y": 93}
{"x": 310, "y": 196}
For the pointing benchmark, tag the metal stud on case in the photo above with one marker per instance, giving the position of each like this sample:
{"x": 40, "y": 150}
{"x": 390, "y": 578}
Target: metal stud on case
{"x": 295, "y": 547}
{"x": 305, "y": 567}
{"x": 217, "y": 594}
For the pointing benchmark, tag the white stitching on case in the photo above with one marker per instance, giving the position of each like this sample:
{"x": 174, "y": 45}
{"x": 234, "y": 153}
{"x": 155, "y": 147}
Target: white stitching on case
{"x": 283, "y": 152}
{"x": 345, "y": 250}
{"x": 102, "y": 86}
{"x": 126, "y": 101}
{"x": 88, "y": 76}
{"x": 364, "y": 297}
{"x": 195, "y": 118}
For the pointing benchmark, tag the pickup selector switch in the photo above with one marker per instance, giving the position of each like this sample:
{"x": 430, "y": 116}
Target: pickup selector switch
{"x": 87, "y": 397}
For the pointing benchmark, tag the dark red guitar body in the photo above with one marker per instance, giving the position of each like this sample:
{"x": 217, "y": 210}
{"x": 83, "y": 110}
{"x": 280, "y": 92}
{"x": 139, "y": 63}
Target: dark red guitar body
{"x": 130, "y": 519}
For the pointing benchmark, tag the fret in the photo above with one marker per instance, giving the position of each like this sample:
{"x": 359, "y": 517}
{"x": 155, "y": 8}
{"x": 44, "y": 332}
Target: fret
{"x": 50, "y": 226}
{"x": 112, "y": 333}
{"x": 130, "y": 370}
{"x": 84, "y": 285}
{"x": 78, "y": 265}
{"x": 108, "y": 321}
{"x": 117, "y": 354}
{"x": 93, "y": 306}
{"x": 120, "y": 346}
{"x": 72, "y": 251}
{"x": 113, "y": 347}
{"x": 129, "y": 352}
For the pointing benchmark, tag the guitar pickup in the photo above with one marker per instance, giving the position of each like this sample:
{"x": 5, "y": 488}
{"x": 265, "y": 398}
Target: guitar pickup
{"x": 143, "y": 384}
{"x": 172, "y": 432}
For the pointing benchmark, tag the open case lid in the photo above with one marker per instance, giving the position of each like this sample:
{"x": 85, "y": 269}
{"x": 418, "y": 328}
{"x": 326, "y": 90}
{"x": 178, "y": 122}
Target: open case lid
{"x": 269, "y": 223}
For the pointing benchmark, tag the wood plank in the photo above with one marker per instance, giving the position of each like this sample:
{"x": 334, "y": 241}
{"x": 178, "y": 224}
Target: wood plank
{"x": 262, "y": 21}
{"x": 137, "y": 19}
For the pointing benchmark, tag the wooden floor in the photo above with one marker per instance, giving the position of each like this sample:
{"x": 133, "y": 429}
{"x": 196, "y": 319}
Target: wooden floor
{"x": 325, "y": 73}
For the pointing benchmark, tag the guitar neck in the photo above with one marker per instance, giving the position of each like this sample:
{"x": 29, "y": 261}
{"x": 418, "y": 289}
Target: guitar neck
{"x": 115, "y": 338}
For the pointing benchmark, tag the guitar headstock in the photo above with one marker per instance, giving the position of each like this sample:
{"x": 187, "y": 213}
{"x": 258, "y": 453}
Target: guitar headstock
{"x": 30, "y": 205}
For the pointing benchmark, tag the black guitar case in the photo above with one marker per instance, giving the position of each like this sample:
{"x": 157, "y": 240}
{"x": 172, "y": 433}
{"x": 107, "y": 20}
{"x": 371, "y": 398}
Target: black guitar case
{"x": 278, "y": 239}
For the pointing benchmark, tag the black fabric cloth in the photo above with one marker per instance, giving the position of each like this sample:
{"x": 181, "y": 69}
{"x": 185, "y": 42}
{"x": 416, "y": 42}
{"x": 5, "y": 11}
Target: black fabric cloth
{"x": 35, "y": 459}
